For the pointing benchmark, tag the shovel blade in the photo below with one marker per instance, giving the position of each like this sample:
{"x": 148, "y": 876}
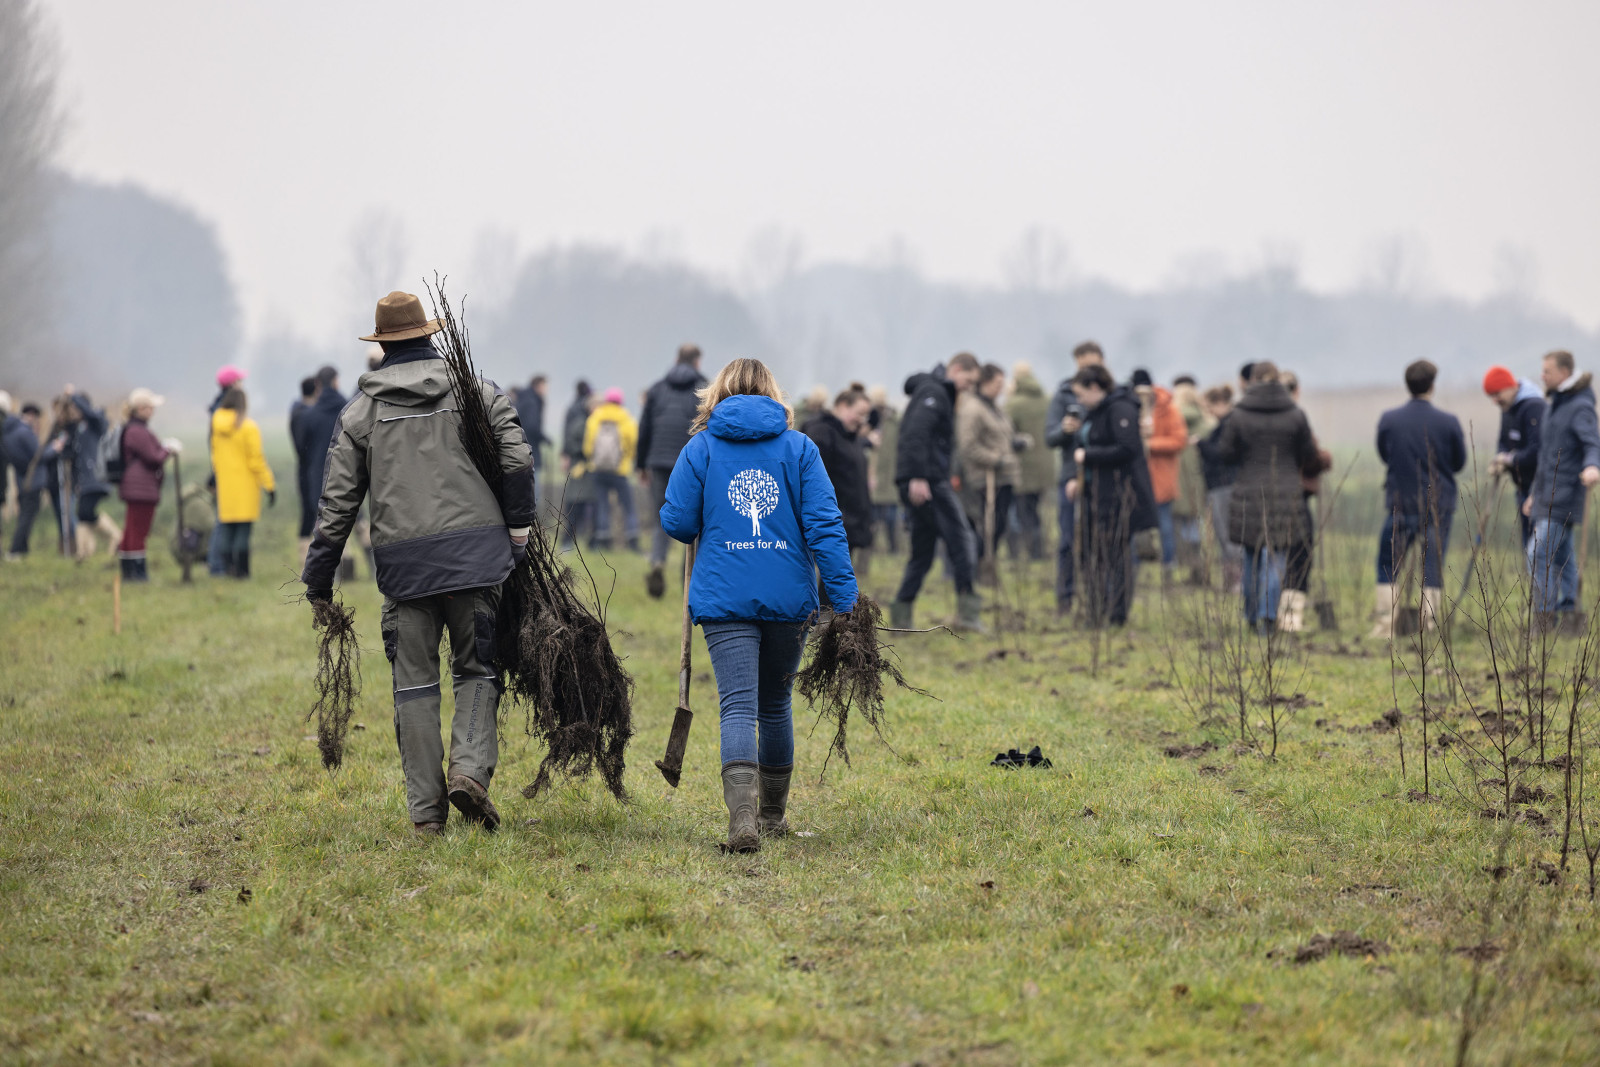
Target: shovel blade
{"x": 671, "y": 764}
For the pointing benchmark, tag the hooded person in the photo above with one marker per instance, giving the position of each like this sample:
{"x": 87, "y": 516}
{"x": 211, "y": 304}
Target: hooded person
{"x": 242, "y": 475}
{"x": 922, "y": 474}
{"x": 442, "y": 544}
{"x": 1567, "y": 468}
{"x": 1028, "y": 410}
{"x": 1113, "y": 485}
{"x": 610, "y": 437}
{"x": 669, "y": 408}
{"x": 1269, "y": 440}
{"x": 1522, "y": 413}
{"x": 757, "y": 495}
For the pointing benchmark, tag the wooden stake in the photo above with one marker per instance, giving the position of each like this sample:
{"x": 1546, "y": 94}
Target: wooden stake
{"x": 116, "y": 601}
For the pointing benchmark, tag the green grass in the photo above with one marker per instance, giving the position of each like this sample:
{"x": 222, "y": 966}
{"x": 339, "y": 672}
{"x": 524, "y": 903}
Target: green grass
{"x": 943, "y": 911}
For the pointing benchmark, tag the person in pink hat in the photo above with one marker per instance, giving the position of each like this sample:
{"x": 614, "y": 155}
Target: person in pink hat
{"x": 609, "y": 439}
{"x": 1522, "y": 411}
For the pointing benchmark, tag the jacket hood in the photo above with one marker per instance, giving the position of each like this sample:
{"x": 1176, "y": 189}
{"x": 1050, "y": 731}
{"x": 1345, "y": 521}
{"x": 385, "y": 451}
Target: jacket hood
{"x": 748, "y": 418}
{"x": 917, "y": 380}
{"x": 1267, "y": 396}
{"x": 1527, "y": 390}
{"x": 1582, "y": 385}
{"x": 682, "y": 376}
{"x": 225, "y": 422}
{"x": 407, "y": 385}
{"x": 1120, "y": 394}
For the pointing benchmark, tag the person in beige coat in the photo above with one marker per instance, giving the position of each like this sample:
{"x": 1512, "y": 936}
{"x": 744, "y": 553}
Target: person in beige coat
{"x": 986, "y": 444}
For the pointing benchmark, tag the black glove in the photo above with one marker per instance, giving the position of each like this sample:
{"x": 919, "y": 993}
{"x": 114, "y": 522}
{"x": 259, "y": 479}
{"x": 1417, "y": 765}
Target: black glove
{"x": 321, "y": 601}
{"x": 272, "y": 498}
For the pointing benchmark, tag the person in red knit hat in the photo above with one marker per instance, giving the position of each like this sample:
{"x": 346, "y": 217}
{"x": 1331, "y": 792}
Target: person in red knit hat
{"x": 1522, "y": 412}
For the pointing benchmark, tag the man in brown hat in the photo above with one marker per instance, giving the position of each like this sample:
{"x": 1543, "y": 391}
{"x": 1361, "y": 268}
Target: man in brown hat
{"x": 441, "y": 545}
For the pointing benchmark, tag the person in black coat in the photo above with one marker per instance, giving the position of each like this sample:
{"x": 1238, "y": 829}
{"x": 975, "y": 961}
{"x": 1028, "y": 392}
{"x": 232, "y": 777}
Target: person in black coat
{"x": 19, "y": 442}
{"x": 1423, "y": 449}
{"x": 1269, "y": 442}
{"x": 922, "y": 474}
{"x": 669, "y": 408}
{"x": 1062, "y": 421}
{"x": 844, "y": 457}
{"x": 1113, "y": 488}
{"x": 1522, "y": 412}
{"x": 302, "y": 449}
{"x": 529, "y": 403}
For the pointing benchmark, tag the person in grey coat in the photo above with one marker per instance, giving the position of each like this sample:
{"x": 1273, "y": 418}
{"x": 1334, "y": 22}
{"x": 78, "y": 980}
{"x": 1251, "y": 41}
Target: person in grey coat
{"x": 669, "y": 408}
{"x": 1568, "y": 467}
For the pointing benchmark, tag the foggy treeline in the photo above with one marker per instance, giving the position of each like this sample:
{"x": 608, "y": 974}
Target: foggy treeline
{"x": 115, "y": 286}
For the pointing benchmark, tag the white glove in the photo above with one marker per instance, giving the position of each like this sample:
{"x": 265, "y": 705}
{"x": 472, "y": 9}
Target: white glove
{"x": 172, "y": 444}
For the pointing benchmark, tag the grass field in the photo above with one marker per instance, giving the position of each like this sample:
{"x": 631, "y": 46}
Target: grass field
{"x": 182, "y": 882}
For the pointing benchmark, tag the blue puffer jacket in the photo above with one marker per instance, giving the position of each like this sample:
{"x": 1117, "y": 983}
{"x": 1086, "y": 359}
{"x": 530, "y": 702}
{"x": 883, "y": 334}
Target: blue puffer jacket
{"x": 756, "y": 494}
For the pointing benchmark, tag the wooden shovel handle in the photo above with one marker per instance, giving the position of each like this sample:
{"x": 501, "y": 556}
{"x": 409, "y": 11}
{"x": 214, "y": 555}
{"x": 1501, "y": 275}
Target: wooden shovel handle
{"x": 688, "y": 628}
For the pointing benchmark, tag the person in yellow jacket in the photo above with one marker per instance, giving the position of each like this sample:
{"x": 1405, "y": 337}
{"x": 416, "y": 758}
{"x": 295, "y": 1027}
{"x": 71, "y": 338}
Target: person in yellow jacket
{"x": 609, "y": 438}
{"x": 242, "y": 476}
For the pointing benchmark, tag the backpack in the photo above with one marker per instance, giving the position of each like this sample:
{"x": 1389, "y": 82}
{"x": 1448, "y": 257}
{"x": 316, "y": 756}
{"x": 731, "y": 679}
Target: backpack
{"x": 607, "y": 456}
{"x": 108, "y": 460}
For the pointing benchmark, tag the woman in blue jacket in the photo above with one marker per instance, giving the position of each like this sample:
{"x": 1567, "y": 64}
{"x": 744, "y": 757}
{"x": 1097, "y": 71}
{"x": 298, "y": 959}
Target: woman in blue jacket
{"x": 755, "y": 493}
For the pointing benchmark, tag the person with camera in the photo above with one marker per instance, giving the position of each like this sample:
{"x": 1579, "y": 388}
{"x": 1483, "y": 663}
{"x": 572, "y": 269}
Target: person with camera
{"x": 1063, "y": 420}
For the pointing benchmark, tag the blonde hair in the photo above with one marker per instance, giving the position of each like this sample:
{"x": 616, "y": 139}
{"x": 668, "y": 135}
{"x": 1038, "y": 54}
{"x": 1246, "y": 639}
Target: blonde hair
{"x": 741, "y": 377}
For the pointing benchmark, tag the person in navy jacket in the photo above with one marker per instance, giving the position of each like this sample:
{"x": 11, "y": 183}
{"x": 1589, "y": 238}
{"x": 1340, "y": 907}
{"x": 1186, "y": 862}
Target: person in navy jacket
{"x": 1424, "y": 449}
{"x": 1568, "y": 467}
{"x": 755, "y": 492}
{"x": 1516, "y": 453}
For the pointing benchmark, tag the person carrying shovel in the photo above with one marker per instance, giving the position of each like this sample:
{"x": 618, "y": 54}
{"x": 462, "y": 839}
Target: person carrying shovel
{"x": 442, "y": 545}
{"x": 756, "y": 494}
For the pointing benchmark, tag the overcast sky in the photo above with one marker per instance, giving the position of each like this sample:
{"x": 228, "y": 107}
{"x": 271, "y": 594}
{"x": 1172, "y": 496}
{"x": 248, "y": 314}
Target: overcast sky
{"x": 1161, "y": 140}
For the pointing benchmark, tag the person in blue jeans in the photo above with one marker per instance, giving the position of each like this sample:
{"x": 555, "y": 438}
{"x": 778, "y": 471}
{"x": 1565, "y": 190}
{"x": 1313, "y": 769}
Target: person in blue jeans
{"x": 1567, "y": 468}
{"x": 755, "y": 492}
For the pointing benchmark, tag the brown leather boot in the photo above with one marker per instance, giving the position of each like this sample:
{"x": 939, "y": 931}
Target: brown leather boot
{"x": 472, "y": 800}
{"x": 742, "y": 795}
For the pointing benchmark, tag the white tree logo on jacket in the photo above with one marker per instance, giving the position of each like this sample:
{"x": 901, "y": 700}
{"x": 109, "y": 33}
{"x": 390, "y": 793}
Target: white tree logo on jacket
{"x": 753, "y": 493}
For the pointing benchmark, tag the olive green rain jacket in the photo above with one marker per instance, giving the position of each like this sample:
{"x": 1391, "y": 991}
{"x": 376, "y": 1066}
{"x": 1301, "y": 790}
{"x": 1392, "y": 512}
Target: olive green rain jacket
{"x": 436, "y": 525}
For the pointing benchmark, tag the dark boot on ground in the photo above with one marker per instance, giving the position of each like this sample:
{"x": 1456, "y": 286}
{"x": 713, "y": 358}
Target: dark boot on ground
{"x": 900, "y": 614}
{"x": 741, "y": 792}
{"x": 241, "y": 564}
{"x": 969, "y": 613}
{"x": 130, "y": 573}
{"x": 774, "y": 800}
{"x": 472, "y": 801}
{"x": 141, "y": 570}
{"x": 633, "y": 545}
{"x": 428, "y": 829}
{"x": 655, "y": 583}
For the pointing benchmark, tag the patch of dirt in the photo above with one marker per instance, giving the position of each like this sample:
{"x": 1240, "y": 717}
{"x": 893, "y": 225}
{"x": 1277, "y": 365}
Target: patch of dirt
{"x": 798, "y": 964}
{"x": 1533, "y": 817}
{"x": 1086, "y": 813}
{"x": 1189, "y": 751}
{"x": 1210, "y": 771}
{"x": 1380, "y": 888}
{"x": 1418, "y": 797}
{"x": 1482, "y": 952}
{"x": 1341, "y": 942}
{"x": 1546, "y": 873}
{"x": 1010, "y": 653}
{"x": 1522, "y": 794}
{"x": 1497, "y": 872}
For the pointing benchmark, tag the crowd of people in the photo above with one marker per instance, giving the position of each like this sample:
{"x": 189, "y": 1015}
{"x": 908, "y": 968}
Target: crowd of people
{"x": 788, "y": 506}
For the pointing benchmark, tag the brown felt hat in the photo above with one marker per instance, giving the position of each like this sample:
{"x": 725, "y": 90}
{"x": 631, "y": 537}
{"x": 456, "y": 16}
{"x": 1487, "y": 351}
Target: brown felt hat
{"x": 400, "y": 318}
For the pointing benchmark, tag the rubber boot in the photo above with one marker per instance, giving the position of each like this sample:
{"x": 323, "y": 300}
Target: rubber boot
{"x": 969, "y": 613}
{"x": 108, "y": 526}
{"x": 655, "y": 583}
{"x": 900, "y": 614}
{"x": 241, "y": 563}
{"x": 1382, "y": 613}
{"x": 142, "y": 565}
{"x": 741, "y": 792}
{"x": 1291, "y": 611}
{"x": 774, "y": 800}
{"x": 1432, "y": 608}
{"x": 130, "y": 572}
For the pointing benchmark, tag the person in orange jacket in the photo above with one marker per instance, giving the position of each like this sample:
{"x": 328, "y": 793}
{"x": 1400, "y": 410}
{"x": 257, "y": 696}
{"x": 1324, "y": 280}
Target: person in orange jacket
{"x": 1166, "y": 435}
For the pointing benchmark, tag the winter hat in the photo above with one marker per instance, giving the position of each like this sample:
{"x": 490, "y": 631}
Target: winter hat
{"x": 613, "y": 396}
{"x": 1497, "y": 379}
{"x": 1141, "y": 377}
{"x": 229, "y": 375}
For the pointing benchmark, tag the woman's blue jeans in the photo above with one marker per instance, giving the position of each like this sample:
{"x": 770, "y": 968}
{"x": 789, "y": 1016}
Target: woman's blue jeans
{"x": 755, "y": 664}
{"x": 1263, "y": 583}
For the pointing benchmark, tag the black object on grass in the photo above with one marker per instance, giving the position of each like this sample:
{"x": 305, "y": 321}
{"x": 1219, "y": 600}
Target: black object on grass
{"x": 553, "y": 651}
{"x": 1015, "y": 758}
